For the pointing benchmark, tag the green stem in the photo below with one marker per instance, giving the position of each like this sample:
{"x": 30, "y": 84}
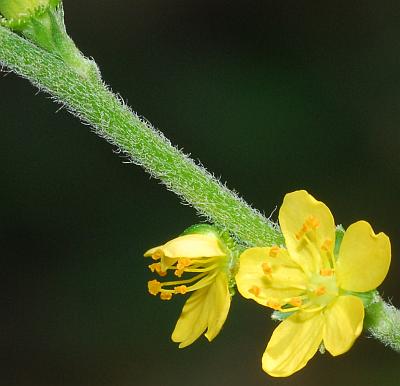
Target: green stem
{"x": 90, "y": 100}
{"x": 383, "y": 322}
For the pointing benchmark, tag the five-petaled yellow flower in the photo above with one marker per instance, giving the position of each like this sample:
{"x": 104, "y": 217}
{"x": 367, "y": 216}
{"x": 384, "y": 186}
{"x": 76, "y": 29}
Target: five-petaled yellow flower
{"x": 206, "y": 259}
{"x": 307, "y": 279}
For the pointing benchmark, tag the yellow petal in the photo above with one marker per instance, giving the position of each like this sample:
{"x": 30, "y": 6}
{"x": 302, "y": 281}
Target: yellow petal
{"x": 293, "y": 343}
{"x": 152, "y": 251}
{"x": 193, "y": 320}
{"x": 286, "y": 279}
{"x": 192, "y": 246}
{"x": 298, "y": 208}
{"x": 219, "y": 303}
{"x": 364, "y": 258}
{"x": 206, "y": 308}
{"x": 343, "y": 324}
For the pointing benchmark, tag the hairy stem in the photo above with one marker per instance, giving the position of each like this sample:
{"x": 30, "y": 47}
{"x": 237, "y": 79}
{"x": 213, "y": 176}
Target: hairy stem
{"x": 383, "y": 323}
{"x": 90, "y": 100}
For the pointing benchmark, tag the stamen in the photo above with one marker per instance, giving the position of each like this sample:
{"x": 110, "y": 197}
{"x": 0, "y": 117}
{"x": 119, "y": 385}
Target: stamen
{"x": 327, "y": 245}
{"x": 326, "y": 272}
{"x": 207, "y": 269}
{"x": 192, "y": 279}
{"x": 204, "y": 282}
{"x": 157, "y": 255}
{"x": 156, "y": 267}
{"x": 182, "y": 289}
{"x": 296, "y": 302}
{"x": 273, "y": 252}
{"x": 255, "y": 290}
{"x": 321, "y": 290}
{"x": 183, "y": 263}
{"x": 275, "y": 305}
{"x": 302, "y": 232}
{"x": 154, "y": 287}
{"x": 165, "y": 295}
{"x": 311, "y": 223}
{"x": 178, "y": 272}
{"x": 266, "y": 268}
{"x": 205, "y": 261}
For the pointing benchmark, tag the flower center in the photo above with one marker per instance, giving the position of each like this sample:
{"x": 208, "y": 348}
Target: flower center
{"x": 321, "y": 290}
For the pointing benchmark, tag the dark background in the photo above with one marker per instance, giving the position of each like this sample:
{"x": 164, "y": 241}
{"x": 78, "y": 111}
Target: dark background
{"x": 271, "y": 95}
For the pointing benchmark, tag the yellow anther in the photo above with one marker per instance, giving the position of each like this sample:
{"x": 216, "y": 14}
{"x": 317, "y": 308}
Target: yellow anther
{"x": 178, "y": 272}
{"x": 255, "y": 290}
{"x": 327, "y": 245}
{"x": 312, "y": 222}
{"x": 154, "y": 287}
{"x": 183, "y": 262}
{"x": 266, "y": 268}
{"x": 182, "y": 289}
{"x": 275, "y": 305}
{"x": 304, "y": 229}
{"x": 156, "y": 267}
{"x": 326, "y": 272}
{"x": 319, "y": 291}
{"x": 273, "y": 252}
{"x": 165, "y": 296}
{"x": 295, "y": 302}
{"x": 157, "y": 255}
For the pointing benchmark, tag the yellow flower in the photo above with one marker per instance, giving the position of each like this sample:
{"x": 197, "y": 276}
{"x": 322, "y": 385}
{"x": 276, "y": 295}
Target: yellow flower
{"x": 313, "y": 284}
{"x": 207, "y": 261}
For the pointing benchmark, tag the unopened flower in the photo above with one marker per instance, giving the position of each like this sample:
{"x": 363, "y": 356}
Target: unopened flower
{"x": 17, "y": 12}
{"x": 201, "y": 263}
{"x": 318, "y": 289}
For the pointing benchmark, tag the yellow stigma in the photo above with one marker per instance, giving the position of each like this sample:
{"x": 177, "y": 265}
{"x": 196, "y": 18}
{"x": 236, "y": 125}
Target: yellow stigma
{"x": 154, "y": 287}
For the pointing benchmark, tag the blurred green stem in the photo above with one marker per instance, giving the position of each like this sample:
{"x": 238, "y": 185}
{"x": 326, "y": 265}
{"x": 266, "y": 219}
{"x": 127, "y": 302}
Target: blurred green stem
{"x": 383, "y": 322}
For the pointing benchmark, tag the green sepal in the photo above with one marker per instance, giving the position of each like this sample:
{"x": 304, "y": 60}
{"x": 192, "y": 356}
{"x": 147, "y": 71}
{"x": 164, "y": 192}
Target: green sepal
{"x": 278, "y": 315}
{"x": 229, "y": 245}
{"x": 367, "y": 298}
{"x": 338, "y": 239}
{"x": 201, "y": 229}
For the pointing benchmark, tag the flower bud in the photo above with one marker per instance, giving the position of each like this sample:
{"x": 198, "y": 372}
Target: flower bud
{"x": 18, "y": 12}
